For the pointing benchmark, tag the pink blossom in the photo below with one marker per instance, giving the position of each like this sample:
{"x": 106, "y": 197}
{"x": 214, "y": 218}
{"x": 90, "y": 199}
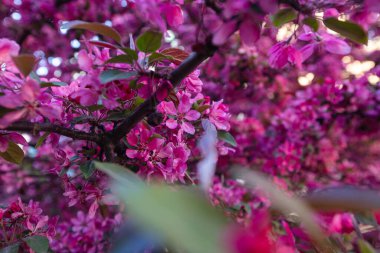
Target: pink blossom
{"x": 180, "y": 116}
{"x": 173, "y": 14}
{"x": 8, "y": 48}
{"x": 282, "y": 53}
{"x": 219, "y": 115}
{"x": 249, "y": 32}
{"x": 29, "y": 103}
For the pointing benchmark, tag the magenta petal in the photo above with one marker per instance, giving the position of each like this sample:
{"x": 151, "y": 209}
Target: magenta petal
{"x": 173, "y": 14}
{"x": 155, "y": 143}
{"x": 30, "y": 90}
{"x": 92, "y": 210}
{"x": 11, "y": 101}
{"x": 132, "y": 153}
{"x": 188, "y": 128}
{"x": 224, "y": 32}
{"x": 169, "y": 108}
{"x": 337, "y": 46}
{"x": 278, "y": 55}
{"x": 171, "y": 123}
{"x": 132, "y": 139}
{"x": 11, "y": 117}
{"x": 50, "y": 112}
{"x": 3, "y": 144}
{"x": 184, "y": 104}
{"x": 249, "y": 32}
{"x": 84, "y": 61}
{"x": 192, "y": 115}
{"x": 18, "y": 138}
{"x": 307, "y": 51}
{"x": 307, "y": 36}
{"x": 294, "y": 56}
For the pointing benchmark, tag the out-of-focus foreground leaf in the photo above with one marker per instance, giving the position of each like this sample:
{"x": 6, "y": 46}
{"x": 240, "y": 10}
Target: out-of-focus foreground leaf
{"x": 180, "y": 214}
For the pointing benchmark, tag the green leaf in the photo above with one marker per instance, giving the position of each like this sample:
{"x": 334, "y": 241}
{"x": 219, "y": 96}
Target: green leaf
{"x": 113, "y": 74}
{"x": 93, "y": 108}
{"x": 119, "y": 173}
{"x": 87, "y": 169}
{"x": 10, "y": 249}
{"x": 138, "y": 101}
{"x": 149, "y": 41}
{"x": 25, "y": 63}
{"x": 103, "y": 44}
{"x": 98, "y": 28}
{"x": 13, "y": 154}
{"x": 38, "y": 243}
{"x": 365, "y": 247}
{"x": 227, "y": 137}
{"x": 283, "y": 16}
{"x": 347, "y": 29}
{"x": 312, "y": 23}
{"x": 117, "y": 115}
{"x": 182, "y": 216}
{"x": 52, "y": 84}
{"x": 123, "y": 58}
{"x": 41, "y": 140}
{"x": 177, "y": 55}
{"x": 131, "y": 53}
{"x": 156, "y": 57}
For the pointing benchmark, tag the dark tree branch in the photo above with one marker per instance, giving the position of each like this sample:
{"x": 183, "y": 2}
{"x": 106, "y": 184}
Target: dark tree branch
{"x": 47, "y": 127}
{"x": 175, "y": 78}
{"x": 297, "y": 6}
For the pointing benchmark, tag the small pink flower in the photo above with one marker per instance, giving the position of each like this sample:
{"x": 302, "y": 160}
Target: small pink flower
{"x": 219, "y": 115}
{"x": 182, "y": 115}
{"x": 29, "y": 103}
{"x": 282, "y": 53}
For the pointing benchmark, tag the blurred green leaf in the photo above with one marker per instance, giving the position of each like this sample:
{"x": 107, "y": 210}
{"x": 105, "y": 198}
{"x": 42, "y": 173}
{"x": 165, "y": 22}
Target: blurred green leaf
{"x": 38, "y": 243}
{"x": 41, "y": 140}
{"x": 10, "y": 249}
{"x": 227, "y": 137}
{"x": 176, "y": 55}
{"x": 13, "y": 154}
{"x": 52, "y": 84}
{"x": 119, "y": 173}
{"x": 365, "y": 247}
{"x": 93, "y": 108}
{"x": 312, "y": 23}
{"x": 283, "y": 16}
{"x": 149, "y": 41}
{"x": 87, "y": 169}
{"x": 25, "y": 63}
{"x": 131, "y": 53}
{"x": 98, "y": 28}
{"x": 347, "y": 29}
{"x": 156, "y": 57}
{"x": 113, "y": 74}
{"x": 123, "y": 58}
{"x": 182, "y": 216}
